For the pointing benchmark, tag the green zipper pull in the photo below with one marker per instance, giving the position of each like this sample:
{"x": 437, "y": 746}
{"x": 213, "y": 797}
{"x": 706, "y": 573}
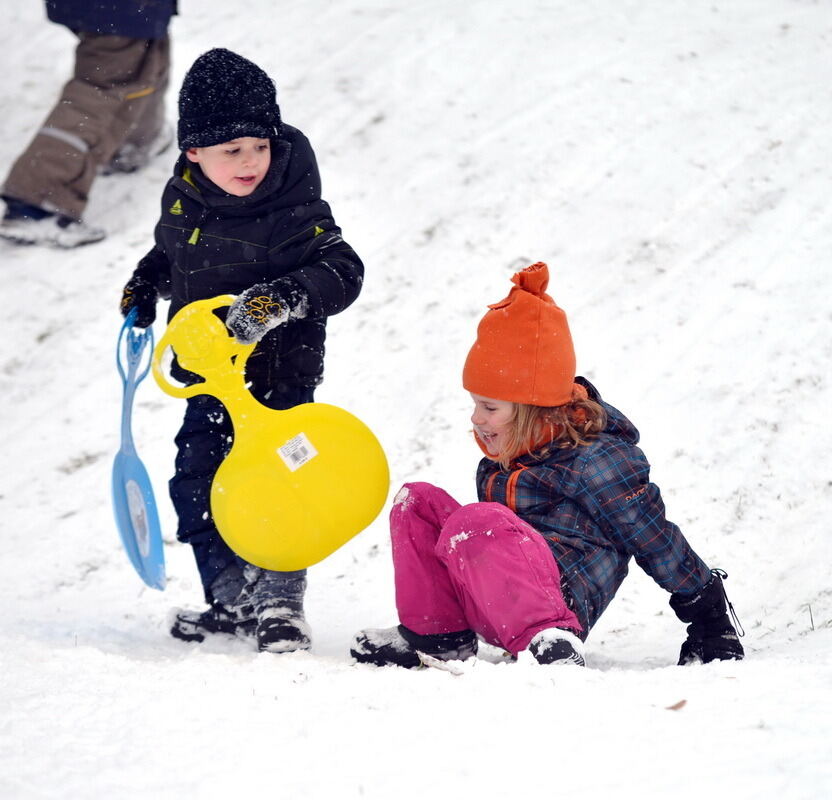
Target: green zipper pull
{"x": 194, "y": 237}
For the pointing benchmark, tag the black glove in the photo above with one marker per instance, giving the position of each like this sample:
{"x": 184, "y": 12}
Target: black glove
{"x": 263, "y": 307}
{"x": 711, "y": 636}
{"x": 141, "y": 294}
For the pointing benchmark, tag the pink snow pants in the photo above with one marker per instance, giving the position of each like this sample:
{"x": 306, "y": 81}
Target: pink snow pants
{"x": 477, "y": 566}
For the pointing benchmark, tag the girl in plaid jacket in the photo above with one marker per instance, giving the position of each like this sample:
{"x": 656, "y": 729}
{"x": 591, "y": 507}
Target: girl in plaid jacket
{"x": 565, "y": 500}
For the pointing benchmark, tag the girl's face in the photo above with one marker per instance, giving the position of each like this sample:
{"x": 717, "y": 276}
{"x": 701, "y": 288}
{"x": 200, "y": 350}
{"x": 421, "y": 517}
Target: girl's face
{"x": 237, "y": 167}
{"x": 492, "y": 420}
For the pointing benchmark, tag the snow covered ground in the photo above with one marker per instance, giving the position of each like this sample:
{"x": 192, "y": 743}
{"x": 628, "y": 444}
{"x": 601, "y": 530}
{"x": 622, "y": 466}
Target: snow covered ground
{"x": 671, "y": 161}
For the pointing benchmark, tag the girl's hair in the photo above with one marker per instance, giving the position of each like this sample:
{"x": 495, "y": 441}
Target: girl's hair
{"x": 537, "y": 429}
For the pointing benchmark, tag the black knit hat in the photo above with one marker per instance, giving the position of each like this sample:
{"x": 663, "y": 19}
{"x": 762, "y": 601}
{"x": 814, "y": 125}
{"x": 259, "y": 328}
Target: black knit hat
{"x": 223, "y": 97}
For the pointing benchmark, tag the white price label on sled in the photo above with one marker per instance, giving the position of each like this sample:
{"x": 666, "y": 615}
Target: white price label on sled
{"x": 297, "y": 452}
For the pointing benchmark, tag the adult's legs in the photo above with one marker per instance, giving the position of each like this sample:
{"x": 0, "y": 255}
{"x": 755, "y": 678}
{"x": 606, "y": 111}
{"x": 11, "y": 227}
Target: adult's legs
{"x": 116, "y": 94}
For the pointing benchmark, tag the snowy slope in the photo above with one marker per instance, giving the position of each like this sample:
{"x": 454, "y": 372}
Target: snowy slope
{"x": 670, "y": 160}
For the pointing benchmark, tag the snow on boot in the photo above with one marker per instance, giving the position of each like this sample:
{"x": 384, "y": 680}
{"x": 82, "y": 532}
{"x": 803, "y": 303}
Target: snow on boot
{"x": 384, "y": 647}
{"x": 557, "y": 646}
{"x": 194, "y": 626}
{"x": 52, "y": 230}
{"x": 277, "y": 598}
{"x": 400, "y": 647}
{"x": 282, "y": 630}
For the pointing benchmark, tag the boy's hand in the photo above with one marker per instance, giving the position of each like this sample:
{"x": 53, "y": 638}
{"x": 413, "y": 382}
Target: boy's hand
{"x": 256, "y": 311}
{"x": 140, "y": 294}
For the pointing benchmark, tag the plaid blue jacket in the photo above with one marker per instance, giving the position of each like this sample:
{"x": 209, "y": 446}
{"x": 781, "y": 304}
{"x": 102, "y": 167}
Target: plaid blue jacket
{"x": 597, "y": 508}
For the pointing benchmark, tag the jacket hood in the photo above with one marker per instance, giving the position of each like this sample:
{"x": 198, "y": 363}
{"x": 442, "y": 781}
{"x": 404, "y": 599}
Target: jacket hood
{"x": 617, "y": 423}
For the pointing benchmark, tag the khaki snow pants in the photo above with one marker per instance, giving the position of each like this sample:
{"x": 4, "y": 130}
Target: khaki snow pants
{"x": 115, "y": 97}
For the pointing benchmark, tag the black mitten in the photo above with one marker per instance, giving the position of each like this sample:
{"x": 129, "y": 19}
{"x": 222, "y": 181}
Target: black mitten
{"x": 711, "y": 636}
{"x": 141, "y": 294}
{"x": 263, "y": 307}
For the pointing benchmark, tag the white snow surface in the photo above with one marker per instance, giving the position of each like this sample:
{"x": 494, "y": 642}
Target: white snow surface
{"x": 671, "y": 161}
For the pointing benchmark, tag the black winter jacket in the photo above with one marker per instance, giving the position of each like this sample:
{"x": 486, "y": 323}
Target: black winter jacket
{"x": 138, "y": 19}
{"x": 210, "y": 243}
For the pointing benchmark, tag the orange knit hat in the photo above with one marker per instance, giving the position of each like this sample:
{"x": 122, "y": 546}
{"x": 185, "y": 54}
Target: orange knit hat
{"x": 523, "y": 352}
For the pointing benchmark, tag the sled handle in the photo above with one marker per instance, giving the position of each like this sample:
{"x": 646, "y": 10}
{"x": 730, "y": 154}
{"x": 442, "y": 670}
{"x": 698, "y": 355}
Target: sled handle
{"x": 131, "y": 345}
{"x": 204, "y": 346}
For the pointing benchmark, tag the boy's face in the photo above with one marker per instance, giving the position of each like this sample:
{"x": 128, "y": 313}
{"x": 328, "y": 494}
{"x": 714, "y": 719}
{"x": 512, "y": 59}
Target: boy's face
{"x": 492, "y": 421}
{"x": 237, "y": 167}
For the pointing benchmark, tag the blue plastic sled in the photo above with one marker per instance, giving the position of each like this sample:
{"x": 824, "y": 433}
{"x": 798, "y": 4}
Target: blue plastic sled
{"x": 133, "y": 502}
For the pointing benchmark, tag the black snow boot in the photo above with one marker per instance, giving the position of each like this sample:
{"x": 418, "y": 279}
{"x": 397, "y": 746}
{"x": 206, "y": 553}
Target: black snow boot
{"x": 557, "y": 646}
{"x": 277, "y": 598}
{"x": 194, "y": 626}
{"x": 400, "y": 647}
{"x": 282, "y": 629}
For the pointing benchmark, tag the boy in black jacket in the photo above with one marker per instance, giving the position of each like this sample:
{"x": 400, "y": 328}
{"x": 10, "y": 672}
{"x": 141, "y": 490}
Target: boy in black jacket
{"x": 243, "y": 215}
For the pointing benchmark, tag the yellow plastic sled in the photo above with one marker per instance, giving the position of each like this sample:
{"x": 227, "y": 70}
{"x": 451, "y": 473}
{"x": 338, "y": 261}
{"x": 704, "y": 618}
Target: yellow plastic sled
{"x": 297, "y": 484}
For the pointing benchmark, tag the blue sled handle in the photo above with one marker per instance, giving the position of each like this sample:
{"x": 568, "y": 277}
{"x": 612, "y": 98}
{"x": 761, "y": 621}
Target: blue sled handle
{"x": 136, "y": 341}
{"x": 132, "y": 344}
